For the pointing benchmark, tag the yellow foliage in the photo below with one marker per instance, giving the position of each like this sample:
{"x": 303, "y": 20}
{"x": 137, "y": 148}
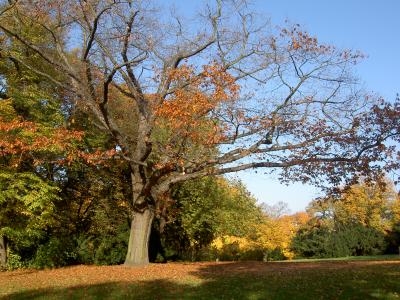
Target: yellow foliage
{"x": 395, "y": 207}
{"x": 273, "y": 235}
{"x": 367, "y": 205}
{"x": 277, "y": 233}
{"x": 244, "y": 244}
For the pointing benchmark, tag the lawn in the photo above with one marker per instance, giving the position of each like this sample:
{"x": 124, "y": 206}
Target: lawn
{"x": 349, "y": 258}
{"x": 339, "y": 279}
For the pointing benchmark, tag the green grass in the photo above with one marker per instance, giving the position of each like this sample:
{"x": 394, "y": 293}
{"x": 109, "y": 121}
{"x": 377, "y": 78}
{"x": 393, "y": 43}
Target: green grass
{"x": 348, "y": 258}
{"x": 333, "y": 279}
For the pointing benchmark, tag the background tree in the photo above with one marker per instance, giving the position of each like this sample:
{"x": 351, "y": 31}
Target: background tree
{"x": 235, "y": 95}
{"x": 203, "y": 210}
{"x": 28, "y": 191}
{"x": 357, "y": 221}
{"x": 276, "y": 233}
{"x": 36, "y": 152}
{"x": 270, "y": 238}
{"x": 394, "y": 234}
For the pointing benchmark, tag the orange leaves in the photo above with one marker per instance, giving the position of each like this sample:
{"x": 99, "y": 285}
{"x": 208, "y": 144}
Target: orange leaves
{"x": 184, "y": 72}
{"x": 224, "y": 84}
{"x": 15, "y": 124}
{"x": 20, "y": 138}
{"x": 96, "y": 157}
{"x": 195, "y": 96}
{"x": 302, "y": 40}
{"x": 24, "y": 140}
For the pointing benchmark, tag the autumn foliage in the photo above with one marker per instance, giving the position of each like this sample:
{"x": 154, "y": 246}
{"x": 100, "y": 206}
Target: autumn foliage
{"x": 22, "y": 140}
{"x": 271, "y": 240}
{"x": 26, "y": 140}
{"x": 172, "y": 101}
{"x": 188, "y": 112}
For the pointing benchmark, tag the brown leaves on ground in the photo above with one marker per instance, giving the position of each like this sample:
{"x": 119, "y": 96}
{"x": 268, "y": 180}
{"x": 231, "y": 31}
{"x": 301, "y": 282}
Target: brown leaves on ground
{"x": 93, "y": 275}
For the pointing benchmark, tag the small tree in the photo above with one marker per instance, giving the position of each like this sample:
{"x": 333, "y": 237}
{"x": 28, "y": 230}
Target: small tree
{"x": 223, "y": 94}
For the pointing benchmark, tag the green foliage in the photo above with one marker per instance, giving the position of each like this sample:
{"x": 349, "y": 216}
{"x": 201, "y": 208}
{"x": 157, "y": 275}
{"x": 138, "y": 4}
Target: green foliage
{"x": 26, "y": 208}
{"x": 216, "y": 205}
{"x": 54, "y": 253}
{"x": 46, "y": 207}
{"x": 358, "y": 221}
{"x": 14, "y": 261}
{"x": 103, "y": 249}
{"x": 205, "y": 209}
{"x": 349, "y": 240}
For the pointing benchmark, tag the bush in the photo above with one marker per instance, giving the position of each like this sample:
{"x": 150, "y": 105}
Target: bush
{"x": 86, "y": 249}
{"x": 57, "y": 252}
{"x": 110, "y": 253}
{"x": 14, "y": 261}
{"x": 273, "y": 255}
{"x": 112, "y": 249}
{"x": 253, "y": 254}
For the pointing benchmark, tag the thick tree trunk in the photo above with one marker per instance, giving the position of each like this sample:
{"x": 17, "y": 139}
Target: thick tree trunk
{"x": 138, "y": 246}
{"x": 3, "y": 251}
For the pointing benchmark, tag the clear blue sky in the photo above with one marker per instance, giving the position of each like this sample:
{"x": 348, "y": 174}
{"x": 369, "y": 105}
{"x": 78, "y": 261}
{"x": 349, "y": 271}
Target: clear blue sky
{"x": 368, "y": 25}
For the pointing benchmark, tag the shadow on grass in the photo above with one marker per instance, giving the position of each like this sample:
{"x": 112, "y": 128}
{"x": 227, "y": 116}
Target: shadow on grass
{"x": 238, "y": 281}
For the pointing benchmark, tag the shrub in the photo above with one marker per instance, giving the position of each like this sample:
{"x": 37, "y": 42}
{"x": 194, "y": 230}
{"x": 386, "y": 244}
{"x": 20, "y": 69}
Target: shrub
{"x": 14, "y": 261}
{"x": 57, "y": 252}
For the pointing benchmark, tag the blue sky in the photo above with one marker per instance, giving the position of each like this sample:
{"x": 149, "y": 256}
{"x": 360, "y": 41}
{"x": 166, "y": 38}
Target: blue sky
{"x": 372, "y": 27}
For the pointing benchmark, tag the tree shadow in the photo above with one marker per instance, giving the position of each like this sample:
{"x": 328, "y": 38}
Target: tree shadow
{"x": 246, "y": 281}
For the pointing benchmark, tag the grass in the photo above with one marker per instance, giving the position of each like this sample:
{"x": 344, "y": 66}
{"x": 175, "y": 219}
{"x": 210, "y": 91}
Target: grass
{"x": 349, "y": 258}
{"x": 327, "y": 279}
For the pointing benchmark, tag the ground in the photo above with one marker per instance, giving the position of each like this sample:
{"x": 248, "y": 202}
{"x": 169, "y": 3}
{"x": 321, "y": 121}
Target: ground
{"x": 341, "y": 279}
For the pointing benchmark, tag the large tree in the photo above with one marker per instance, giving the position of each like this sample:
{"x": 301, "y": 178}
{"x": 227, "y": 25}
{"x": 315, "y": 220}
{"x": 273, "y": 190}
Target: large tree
{"x": 215, "y": 94}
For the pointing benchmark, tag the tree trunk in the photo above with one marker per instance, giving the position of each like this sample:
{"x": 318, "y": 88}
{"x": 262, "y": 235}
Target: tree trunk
{"x": 138, "y": 246}
{"x": 3, "y": 251}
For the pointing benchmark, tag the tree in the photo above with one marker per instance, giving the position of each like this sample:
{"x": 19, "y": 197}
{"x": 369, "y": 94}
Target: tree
{"x": 276, "y": 233}
{"x": 367, "y": 204}
{"x": 323, "y": 242}
{"x": 27, "y": 204}
{"x": 26, "y": 199}
{"x": 370, "y": 204}
{"x": 269, "y": 238}
{"x": 356, "y": 221}
{"x": 225, "y": 94}
{"x": 35, "y": 146}
{"x": 394, "y": 234}
{"x": 204, "y": 209}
